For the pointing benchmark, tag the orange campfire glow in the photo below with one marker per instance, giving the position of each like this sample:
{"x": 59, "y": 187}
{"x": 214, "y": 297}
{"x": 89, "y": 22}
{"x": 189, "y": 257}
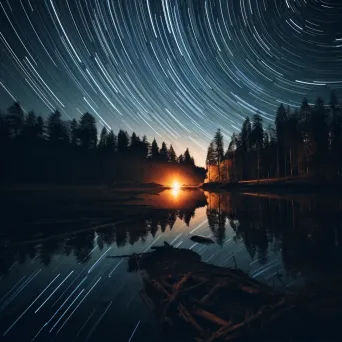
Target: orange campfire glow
{"x": 175, "y": 188}
{"x": 176, "y": 185}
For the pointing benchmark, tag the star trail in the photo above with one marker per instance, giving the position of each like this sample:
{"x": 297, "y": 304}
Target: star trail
{"x": 172, "y": 69}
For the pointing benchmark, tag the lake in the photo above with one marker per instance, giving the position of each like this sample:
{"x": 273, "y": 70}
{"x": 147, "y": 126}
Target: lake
{"x": 56, "y": 282}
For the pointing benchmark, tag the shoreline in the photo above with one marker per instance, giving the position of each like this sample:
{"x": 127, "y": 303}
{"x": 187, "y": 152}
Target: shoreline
{"x": 276, "y": 185}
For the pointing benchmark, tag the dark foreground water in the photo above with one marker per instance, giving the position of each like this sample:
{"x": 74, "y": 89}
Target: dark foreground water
{"x": 60, "y": 286}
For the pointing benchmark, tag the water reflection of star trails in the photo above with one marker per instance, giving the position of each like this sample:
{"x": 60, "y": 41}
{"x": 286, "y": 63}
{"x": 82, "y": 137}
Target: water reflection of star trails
{"x": 84, "y": 324}
{"x": 152, "y": 243}
{"x": 179, "y": 244}
{"x": 67, "y": 309}
{"x": 211, "y": 257}
{"x": 263, "y": 270}
{"x": 56, "y": 301}
{"x": 81, "y": 262}
{"x": 254, "y": 262}
{"x": 13, "y": 265}
{"x": 55, "y": 290}
{"x": 110, "y": 274}
{"x": 16, "y": 321}
{"x": 34, "y": 259}
{"x": 20, "y": 289}
{"x": 274, "y": 274}
{"x": 99, "y": 259}
{"x": 229, "y": 239}
{"x": 55, "y": 268}
{"x": 200, "y": 250}
{"x": 101, "y": 272}
{"x": 134, "y": 332}
{"x": 72, "y": 311}
{"x": 6, "y": 295}
{"x": 193, "y": 246}
{"x": 69, "y": 316}
{"x": 97, "y": 322}
{"x": 176, "y": 238}
{"x": 65, "y": 302}
{"x": 199, "y": 226}
{"x": 85, "y": 296}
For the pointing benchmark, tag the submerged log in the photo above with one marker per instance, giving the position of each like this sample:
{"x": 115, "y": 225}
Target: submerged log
{"x": 201, "y": 239}
{"x": 210, "y": 317}
{"x": 210, "y": 303}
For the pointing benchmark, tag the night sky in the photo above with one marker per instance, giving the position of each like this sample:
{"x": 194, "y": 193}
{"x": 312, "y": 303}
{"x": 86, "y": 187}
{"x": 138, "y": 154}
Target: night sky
{"x": 172, "y": 69}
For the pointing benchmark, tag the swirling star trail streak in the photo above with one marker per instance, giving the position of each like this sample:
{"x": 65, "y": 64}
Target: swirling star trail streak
{"x": 172, "y": 69}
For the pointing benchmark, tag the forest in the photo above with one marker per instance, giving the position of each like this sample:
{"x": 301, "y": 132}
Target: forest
{"x": 303, "y": 142}
{"x": 34, "y": 150}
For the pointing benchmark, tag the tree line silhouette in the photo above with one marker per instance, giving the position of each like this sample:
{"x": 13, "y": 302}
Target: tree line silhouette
{"x": 54, "y": 150}
{"x": 302, "y": 142}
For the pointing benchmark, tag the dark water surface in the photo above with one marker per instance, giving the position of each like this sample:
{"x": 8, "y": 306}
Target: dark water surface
{"x": 60, "y": 286}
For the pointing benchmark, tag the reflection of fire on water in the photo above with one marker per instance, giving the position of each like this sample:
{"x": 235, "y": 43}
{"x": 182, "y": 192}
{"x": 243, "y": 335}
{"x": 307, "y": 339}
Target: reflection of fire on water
{"x": 175, "y": 189}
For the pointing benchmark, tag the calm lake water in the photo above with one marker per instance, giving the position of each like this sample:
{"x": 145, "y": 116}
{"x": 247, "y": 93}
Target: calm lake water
{"x": 60, "y": 286}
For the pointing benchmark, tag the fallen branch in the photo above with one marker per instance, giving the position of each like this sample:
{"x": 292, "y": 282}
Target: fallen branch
{"x": 127, "y": 255}
{"x": 210, "y": 317}
{"x": 188, "y": 317}
{"x": 210, "y": 294}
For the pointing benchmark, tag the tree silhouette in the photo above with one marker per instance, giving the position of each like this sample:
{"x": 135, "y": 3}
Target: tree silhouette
{"x": 103, "y": 139}
{"x": 172, "y": 158}
{"x": 135, "y": 143}
{"x": 123, "y": 141}
{"x": 15, "y": 118}
{"x": 210, "y": 159}
{"x": 30, "y": 126}
{"x": 67, "y": 151}
{"x": 111, "y": 144}
{"x": 87, "y": 131}
{"x": 219, "y": 150}
{"x": 56, "y": 129}
{"x": 304, "y": 142}
{"x": 40, "y": 127}
{"x": 154, "y": 150}
{"x": 163, "y": 153}
{"x": 187, "y": 159}
{"x": 257, "y": 137}
{"x": 74, "y": 132}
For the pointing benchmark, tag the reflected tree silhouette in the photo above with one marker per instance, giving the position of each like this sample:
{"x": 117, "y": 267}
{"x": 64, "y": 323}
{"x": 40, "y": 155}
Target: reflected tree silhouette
{"x": 305, "y": 230}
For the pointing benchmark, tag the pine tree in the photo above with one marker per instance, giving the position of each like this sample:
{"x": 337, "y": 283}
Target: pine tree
{"x": 56, "y": 130}
{"x": 144, "y": 147}
{"x": 15, "y": 118}
{"x": 154, "y": 150}
{"x": 219, "y": 150}
{"x": 30, "y": 126}
{"x": 210, "y": 159}
{"x": 257, "y": 138}
{"x": 122, "y": 142}
{"x": 87, "y": 131}
{"x": 172, "y": 158}
{"x": 40, "y": 127}
{"x": 74, "y": 132}
{"x": 304, "y": 127}
{"x": 246, "y": 135}
{"x": 135, "y": 143}
{"x": 103, "y": 138}
{"x": 163, "y": 153}
{"x": 111, "y": 142}
{"x": 187, "y": 159}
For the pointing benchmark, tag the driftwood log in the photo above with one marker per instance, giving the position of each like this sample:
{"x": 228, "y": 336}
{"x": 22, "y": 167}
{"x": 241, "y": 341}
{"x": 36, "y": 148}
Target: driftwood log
{"x": 201, "y": 302}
